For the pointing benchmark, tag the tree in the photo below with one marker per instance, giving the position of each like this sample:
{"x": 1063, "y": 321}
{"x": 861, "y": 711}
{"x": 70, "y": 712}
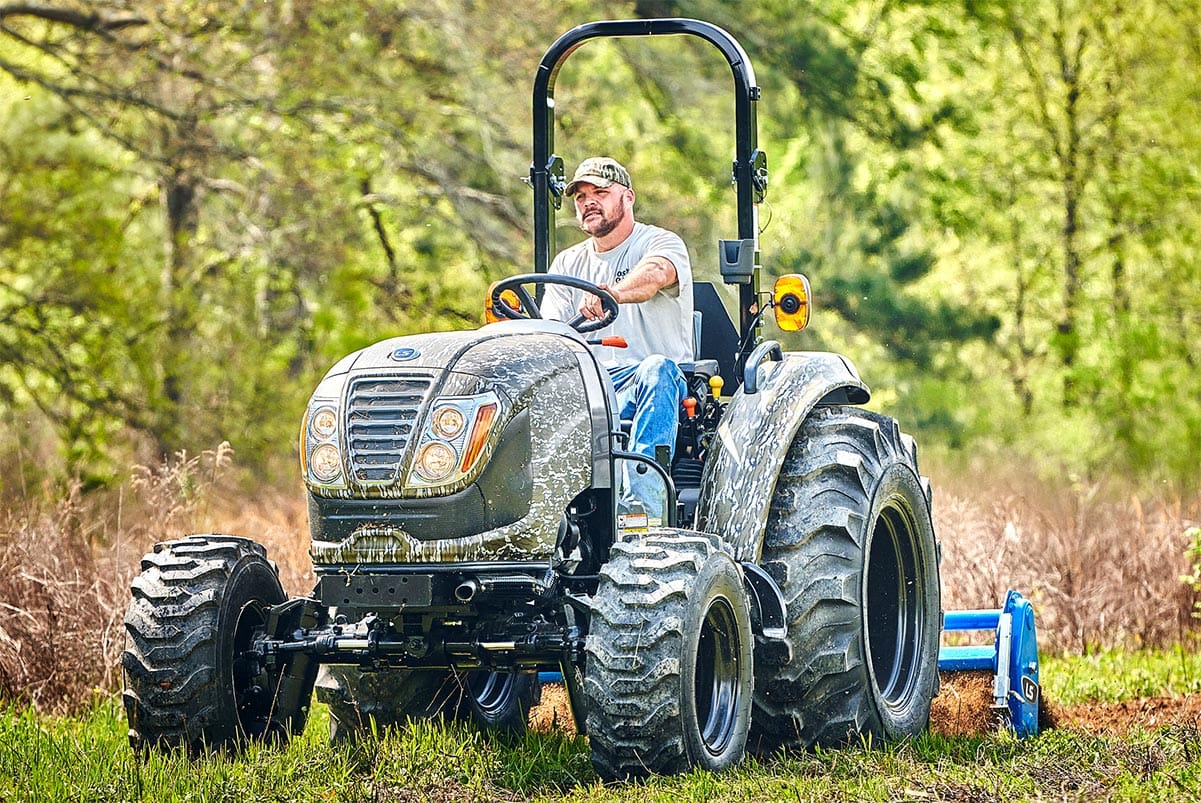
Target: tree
{"x": 305, "y": 178}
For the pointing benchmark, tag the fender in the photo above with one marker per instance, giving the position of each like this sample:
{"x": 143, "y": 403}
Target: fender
{"x": 753, "y": 438}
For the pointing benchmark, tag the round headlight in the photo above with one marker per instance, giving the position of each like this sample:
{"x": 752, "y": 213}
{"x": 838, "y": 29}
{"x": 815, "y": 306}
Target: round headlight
{"x": 326, "y": 463}
{"x": 435, "y": 461}
{"x": 324, "y": 422}
{"x": 448, "y": 422}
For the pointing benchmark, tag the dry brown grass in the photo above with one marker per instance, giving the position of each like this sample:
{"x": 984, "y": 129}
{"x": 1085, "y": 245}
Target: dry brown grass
{"x": 1102, "y": 568}
{"x": 61, "y": 605}
{"x": 67, "y": 558}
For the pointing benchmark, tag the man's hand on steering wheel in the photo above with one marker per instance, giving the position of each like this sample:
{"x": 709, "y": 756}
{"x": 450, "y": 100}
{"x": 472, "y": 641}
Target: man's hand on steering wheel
{"x": 598, "y": 311}
{"x": 593, "y": 307}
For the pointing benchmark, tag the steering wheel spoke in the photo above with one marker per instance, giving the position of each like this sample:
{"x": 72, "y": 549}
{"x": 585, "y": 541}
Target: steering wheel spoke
{"x": 527, "y": 302}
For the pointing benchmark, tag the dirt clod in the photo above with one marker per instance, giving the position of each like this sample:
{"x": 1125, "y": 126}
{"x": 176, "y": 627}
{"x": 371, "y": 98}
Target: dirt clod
{"x": 963, "y": 706}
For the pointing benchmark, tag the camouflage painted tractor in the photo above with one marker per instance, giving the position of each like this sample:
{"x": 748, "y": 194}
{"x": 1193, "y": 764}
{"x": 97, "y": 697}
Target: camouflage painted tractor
{"x": 465, "y": 536}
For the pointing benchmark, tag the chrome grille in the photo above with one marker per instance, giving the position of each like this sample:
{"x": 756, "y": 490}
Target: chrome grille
{"x": 381, "y": 414}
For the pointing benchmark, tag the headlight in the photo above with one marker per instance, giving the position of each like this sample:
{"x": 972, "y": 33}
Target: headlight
{"x": 453, "y": 440}
{"x": 448, "y": 421}
{"x": 324, "y": 423}
{"x": 321, "y": 462}
{"x": 436, "y": 461}
{"x": 326, "y": 463}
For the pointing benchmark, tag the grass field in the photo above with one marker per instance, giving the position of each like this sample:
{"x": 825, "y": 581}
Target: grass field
{"x": 1106, "y": 757}
{"x": 1102, "y": 566}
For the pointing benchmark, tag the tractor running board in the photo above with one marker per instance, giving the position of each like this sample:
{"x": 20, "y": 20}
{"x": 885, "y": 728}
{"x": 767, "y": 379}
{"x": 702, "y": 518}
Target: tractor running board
{"x": 1012, "y": 658}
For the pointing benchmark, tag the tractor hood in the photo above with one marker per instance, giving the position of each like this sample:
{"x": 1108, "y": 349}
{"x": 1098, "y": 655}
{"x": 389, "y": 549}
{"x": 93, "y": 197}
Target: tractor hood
{"x": 454, "y": 445}
{"x": 497, "y": 352}
{"x": 372, "y": 419}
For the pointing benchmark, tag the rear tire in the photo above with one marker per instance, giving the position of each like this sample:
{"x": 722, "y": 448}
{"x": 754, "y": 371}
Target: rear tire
{"x": 501, "y": 701}
{"x": 191, "y": 679}
{"x": 850, "y": 541}
{"x": 668, "y": 676}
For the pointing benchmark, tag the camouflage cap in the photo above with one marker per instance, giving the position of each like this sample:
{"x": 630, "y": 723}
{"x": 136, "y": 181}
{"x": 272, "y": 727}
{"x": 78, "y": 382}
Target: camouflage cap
{"x": 600, "y": 171}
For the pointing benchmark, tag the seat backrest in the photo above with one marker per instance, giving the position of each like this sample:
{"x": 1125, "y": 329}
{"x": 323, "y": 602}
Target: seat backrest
{"x": 717, "y": 339}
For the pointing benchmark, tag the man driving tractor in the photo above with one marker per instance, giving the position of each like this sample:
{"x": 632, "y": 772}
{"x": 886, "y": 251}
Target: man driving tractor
{"x": 647, "y": 271}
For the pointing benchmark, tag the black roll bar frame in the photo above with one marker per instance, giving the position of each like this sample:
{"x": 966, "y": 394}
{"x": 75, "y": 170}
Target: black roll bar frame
{"x": 750, "y": 164}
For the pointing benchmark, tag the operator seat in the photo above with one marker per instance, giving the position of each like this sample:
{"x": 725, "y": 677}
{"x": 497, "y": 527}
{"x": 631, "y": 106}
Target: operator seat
{"x": 716, "y": 349}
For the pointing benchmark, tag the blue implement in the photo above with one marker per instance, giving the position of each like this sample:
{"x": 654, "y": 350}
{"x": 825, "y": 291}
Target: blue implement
{"x": 1012, "y": 658}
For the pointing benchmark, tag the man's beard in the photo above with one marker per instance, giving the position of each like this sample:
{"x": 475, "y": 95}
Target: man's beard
{"x": 607, "y": 224}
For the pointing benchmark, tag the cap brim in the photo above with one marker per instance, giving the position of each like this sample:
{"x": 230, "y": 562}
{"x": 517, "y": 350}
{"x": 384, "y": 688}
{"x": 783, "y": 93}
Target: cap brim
{"x": 596, "y": 181}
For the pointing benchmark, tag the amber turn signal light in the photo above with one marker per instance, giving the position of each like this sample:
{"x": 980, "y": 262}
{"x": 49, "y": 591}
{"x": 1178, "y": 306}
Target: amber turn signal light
{"x": 790, "y": 299}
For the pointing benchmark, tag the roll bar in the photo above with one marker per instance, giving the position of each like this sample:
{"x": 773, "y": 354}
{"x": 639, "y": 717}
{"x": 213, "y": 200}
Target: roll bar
{"x": 750, "y": 164}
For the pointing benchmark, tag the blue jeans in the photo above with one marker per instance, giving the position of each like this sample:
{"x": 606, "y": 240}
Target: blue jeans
{"x": 648, "y": 393}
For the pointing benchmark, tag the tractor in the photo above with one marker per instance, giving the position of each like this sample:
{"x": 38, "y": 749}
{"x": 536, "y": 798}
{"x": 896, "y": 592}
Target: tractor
{"x": 466, "y": 534}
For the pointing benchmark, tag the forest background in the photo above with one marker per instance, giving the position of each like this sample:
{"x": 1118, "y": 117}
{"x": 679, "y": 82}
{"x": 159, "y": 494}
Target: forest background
{"x": 203, "y": 205}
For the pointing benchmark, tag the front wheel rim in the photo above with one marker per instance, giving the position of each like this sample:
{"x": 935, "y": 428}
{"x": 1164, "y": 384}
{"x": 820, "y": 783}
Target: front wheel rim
{"x": 718, "y": 688}
{"x": 247, "y": 677}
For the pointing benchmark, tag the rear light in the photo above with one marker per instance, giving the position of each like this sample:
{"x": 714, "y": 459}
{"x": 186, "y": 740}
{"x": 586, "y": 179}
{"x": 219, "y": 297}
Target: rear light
{"x": 791, "y": 300}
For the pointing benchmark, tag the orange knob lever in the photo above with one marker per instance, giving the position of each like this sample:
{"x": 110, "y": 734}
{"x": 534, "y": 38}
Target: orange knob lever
{"x": 689, "y": 407}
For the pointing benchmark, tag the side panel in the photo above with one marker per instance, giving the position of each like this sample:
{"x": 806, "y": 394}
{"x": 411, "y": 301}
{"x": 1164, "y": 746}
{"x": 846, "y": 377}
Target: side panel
{"x": 753, "y": 437}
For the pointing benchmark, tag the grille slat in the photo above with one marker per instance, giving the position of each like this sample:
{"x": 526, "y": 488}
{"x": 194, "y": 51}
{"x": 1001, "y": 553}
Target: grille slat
{"x": 380, "y": 416}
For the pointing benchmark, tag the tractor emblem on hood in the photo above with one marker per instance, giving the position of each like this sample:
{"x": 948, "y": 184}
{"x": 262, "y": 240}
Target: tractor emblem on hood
{"x": 405, "y": 354}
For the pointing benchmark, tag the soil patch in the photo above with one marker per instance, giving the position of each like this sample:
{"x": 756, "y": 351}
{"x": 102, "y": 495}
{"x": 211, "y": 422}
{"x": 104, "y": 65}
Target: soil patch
{"x": 963, "y": 706}
{"x": 1118, "y": 719}
{"x": 554, "y": 712}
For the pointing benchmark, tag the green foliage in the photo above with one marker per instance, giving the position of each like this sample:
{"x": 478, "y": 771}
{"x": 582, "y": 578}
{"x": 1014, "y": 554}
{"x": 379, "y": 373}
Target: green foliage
{"x": 1114, "y": 676}
{"x": 200, "y": 211}
{"x": 1192, "y": 554}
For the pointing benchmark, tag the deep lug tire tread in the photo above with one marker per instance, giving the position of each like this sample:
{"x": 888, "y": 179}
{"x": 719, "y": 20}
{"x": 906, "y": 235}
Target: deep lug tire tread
{"x": 817, "y": 689}
{"x": 176, "y": 694}
{"x": 633, "y": 681}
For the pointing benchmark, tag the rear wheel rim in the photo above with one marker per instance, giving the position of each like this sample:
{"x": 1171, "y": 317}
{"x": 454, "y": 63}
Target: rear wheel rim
{"x": 491, "y": 691}
{"x": 717, "y": 688}
{"x": 895, "y": 595}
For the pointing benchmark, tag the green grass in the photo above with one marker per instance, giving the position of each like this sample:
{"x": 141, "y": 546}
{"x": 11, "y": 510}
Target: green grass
{"x": 1113, "y": 676}
{"x": 87, "y": 758}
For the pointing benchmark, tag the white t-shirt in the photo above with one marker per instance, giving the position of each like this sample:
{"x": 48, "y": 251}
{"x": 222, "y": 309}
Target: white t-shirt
{"x": 660, "y": 325}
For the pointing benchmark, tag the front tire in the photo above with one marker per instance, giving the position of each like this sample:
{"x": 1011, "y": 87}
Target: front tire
{"x": 191, "y": 678}
{"x": 850, "y": 541}
{"x": 668, "y": 677}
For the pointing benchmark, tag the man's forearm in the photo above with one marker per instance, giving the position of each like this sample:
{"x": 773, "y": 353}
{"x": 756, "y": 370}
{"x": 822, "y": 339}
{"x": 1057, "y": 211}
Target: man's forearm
{"x": 647, "y": 278}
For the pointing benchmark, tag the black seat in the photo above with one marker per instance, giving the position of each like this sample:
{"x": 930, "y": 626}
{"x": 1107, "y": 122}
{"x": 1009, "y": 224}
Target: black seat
{"x": 718, "y": 341}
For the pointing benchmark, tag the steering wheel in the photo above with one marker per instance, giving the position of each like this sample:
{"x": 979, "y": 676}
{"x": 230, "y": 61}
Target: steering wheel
{"x": 529, "y": 307}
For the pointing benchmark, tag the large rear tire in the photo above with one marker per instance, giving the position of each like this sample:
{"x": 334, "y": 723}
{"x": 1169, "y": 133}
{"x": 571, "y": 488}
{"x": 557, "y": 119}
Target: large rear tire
{"x": 668, "y": 673}
{"x": 191, "y": 678}
{"x": 850, "y": 541}
{"x": 361, "y": 703}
